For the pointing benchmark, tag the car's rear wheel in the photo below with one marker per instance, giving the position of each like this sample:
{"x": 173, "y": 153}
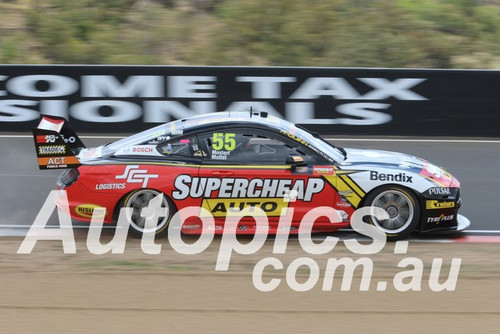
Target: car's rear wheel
{"x": 402, "y": 208}
{"x": 139, "y": 201}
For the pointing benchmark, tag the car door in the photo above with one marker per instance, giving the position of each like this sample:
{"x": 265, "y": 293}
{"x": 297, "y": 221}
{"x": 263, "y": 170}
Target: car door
{"x": 180, "y": 165}
{"x": 247, "y": 168}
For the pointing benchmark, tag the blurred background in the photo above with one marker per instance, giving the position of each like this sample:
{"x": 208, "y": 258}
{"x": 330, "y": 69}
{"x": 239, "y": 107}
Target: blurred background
{"x": 339, "y": 33}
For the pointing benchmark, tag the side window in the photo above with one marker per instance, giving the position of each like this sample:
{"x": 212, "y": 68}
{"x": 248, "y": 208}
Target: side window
{"x": 184, "y": 147}
{"x": 247, "y": 146}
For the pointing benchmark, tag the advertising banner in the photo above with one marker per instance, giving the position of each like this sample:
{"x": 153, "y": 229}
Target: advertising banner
{"x": 331, "y": 101}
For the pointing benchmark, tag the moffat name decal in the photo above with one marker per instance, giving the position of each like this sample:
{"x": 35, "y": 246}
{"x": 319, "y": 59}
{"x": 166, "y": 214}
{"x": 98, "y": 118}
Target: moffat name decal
{"x": 210, "y": 187}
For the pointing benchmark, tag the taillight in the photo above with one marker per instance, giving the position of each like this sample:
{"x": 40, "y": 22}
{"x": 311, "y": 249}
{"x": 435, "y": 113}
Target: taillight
{"x": 67, "y": 178}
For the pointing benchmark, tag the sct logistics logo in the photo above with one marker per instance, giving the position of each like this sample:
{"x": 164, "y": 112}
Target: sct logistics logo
{"x": 133, "y": 174}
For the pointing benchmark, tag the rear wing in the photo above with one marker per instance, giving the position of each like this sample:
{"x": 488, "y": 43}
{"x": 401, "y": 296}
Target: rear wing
{"x": 56, "y": 143}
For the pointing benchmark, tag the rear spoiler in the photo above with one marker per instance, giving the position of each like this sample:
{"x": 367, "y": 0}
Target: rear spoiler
{"x": 56, "y": 143}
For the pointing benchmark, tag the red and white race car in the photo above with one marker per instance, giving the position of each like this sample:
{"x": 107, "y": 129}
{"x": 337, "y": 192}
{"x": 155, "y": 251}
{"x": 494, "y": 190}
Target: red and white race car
{"x": 234, "y": 160}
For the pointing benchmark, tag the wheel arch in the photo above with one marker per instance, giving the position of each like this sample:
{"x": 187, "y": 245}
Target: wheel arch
{"x": 417, "y": 195}
{"x": 118, "y": 204}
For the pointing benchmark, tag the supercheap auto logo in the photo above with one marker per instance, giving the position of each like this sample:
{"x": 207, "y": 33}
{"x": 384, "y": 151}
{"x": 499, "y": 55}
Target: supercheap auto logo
{"x": 195, "y": 187}
{"x": 408, "y": 278}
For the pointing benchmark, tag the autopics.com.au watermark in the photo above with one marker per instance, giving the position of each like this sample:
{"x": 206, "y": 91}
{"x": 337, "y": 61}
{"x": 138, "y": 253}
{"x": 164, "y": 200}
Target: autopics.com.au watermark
{"x": 408, "y": 278}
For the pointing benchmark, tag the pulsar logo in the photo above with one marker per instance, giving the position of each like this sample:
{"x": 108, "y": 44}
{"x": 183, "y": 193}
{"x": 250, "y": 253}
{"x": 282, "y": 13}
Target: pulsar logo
{"x": 135, "y": 175}
{"x": 439, "y": 191}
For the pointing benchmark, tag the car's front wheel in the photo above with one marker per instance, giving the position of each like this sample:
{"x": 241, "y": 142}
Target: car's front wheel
{"x": 401, "y": 206}
{"x": 139, "y": 202}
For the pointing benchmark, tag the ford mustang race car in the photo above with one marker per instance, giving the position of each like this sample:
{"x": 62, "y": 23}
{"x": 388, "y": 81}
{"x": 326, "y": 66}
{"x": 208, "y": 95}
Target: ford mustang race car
{"x": 227, "y": 161}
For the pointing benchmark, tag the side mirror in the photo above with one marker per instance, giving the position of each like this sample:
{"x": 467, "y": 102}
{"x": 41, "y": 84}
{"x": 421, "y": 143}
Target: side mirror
{"x": 295, "y": 160}
{"x": 297, "y": 165}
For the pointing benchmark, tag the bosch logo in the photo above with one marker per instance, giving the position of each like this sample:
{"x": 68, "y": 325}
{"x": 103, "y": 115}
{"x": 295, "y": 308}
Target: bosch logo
{"x": 135, "y": 175}
{"x": 142, "y": 149}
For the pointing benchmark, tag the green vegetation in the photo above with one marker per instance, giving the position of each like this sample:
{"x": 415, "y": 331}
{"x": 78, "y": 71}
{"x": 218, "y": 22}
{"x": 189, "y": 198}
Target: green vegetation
{"x": 356, "y": 33}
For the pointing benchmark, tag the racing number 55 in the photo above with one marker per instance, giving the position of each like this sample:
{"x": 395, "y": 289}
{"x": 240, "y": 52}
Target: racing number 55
{"x": 223, "y": 140}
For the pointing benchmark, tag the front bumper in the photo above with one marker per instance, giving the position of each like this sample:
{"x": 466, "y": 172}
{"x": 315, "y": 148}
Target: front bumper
{"x": 463, "y": 223}
{"x": 439, "y": 212}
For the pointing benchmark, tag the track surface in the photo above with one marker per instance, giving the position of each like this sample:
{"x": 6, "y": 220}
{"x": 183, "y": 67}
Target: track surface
{"x": 23, "y": 188}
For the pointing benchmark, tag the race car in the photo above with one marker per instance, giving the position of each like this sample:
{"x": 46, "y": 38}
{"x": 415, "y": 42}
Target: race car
{"x": 229, "y": 161}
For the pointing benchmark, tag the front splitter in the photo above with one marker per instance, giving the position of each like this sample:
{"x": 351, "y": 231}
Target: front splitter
{"x": 462, "y": 223}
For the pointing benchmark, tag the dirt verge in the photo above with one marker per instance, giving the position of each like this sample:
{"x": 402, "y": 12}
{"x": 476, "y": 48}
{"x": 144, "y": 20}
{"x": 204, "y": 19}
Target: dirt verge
{"x": 51, "y": 292}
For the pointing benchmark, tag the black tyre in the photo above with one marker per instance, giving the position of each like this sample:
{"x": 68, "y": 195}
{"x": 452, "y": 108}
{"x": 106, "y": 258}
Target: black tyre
{"x": 138, "y": 200}
{"x": 401, "y": 206}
